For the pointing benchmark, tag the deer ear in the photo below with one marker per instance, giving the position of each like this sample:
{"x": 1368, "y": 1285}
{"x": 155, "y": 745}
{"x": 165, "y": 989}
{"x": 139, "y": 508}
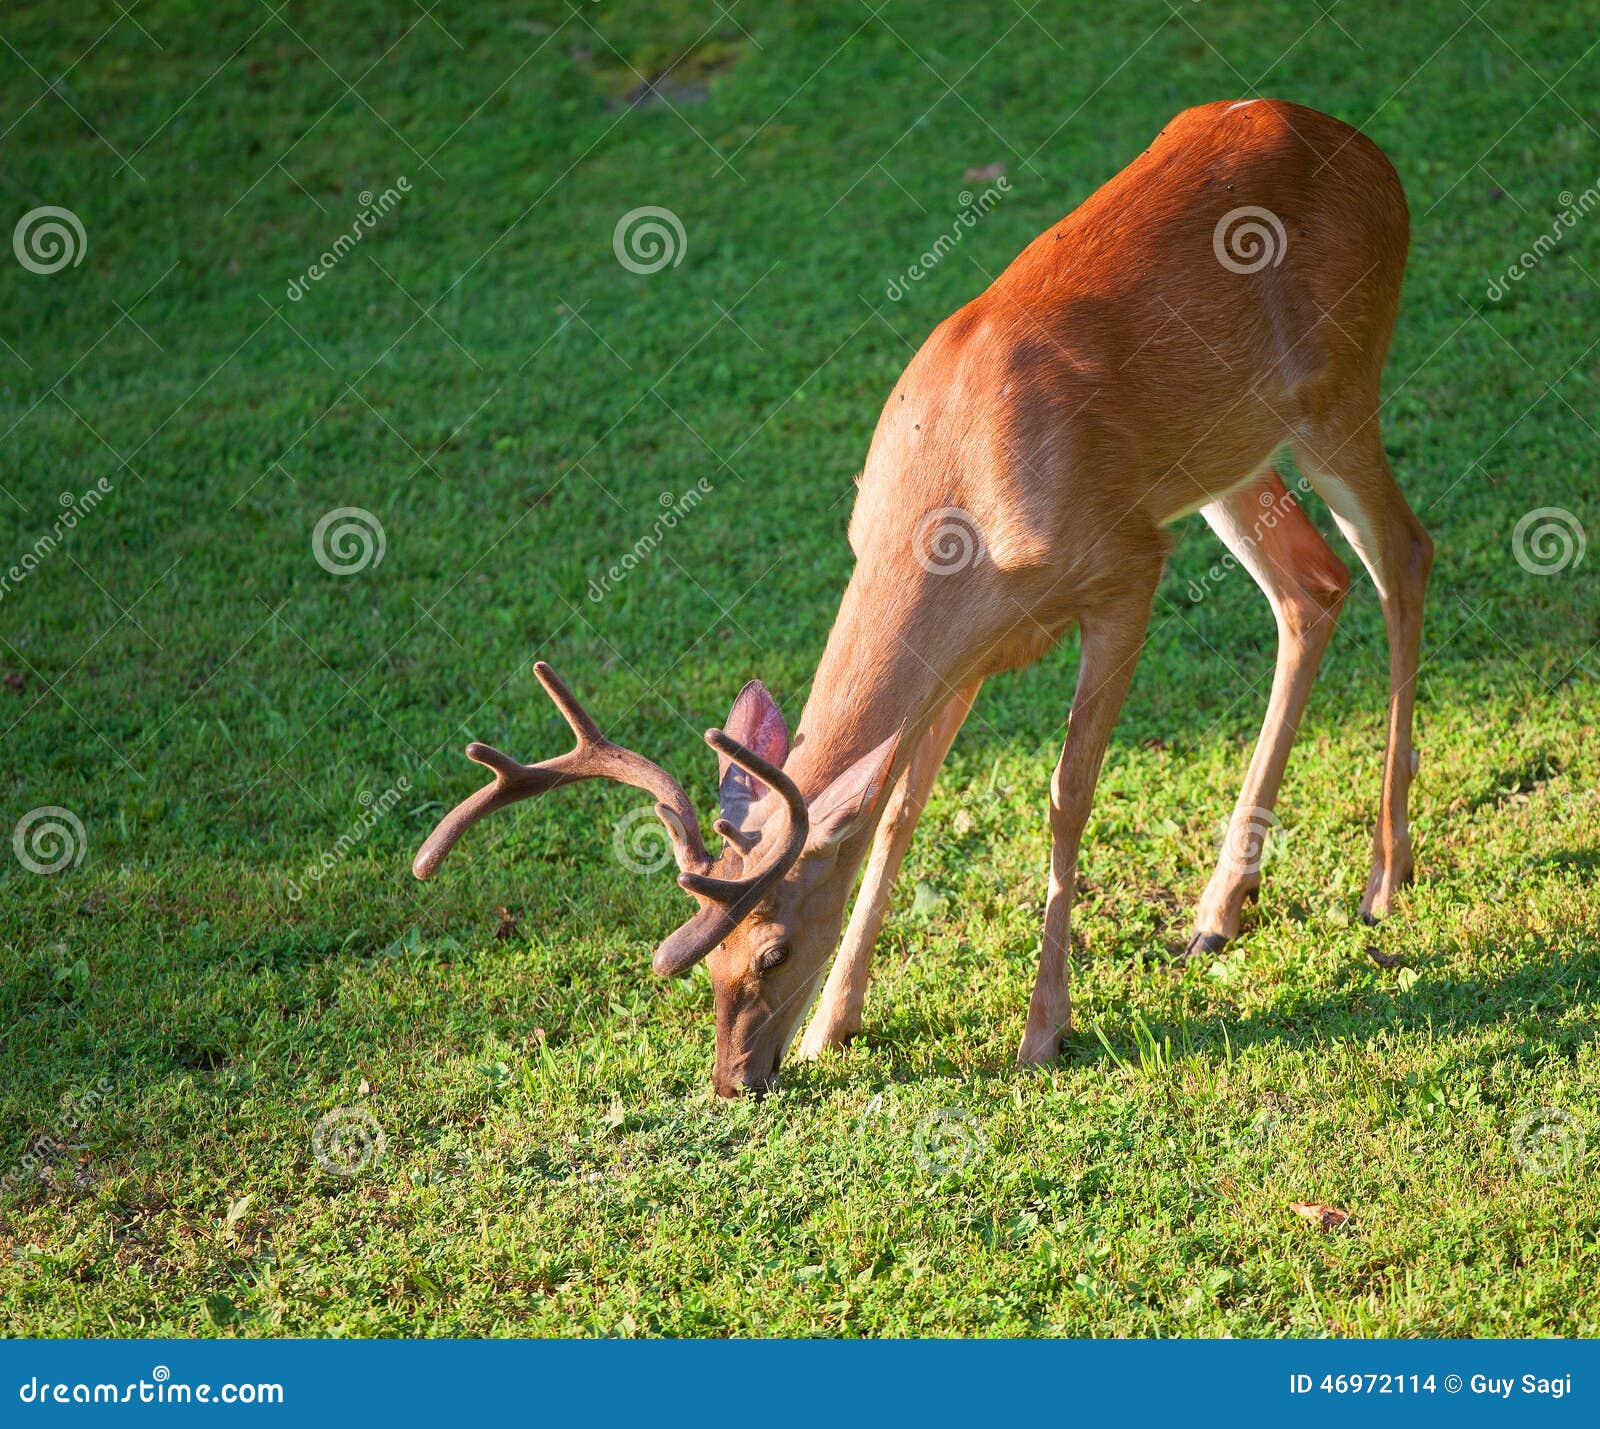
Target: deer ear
{"x": 756, "y": 722}
{"x": 844, "y": 807}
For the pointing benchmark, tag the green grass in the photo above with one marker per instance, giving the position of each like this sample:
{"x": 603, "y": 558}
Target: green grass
{"x": 483, "y": 376}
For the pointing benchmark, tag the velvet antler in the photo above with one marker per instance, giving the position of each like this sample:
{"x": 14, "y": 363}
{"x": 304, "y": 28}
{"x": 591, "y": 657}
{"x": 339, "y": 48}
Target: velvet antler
{"x": 723, "y": 901}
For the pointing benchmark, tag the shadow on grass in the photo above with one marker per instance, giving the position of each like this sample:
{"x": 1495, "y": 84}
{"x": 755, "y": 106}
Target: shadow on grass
{"x": 1530, "y": 997}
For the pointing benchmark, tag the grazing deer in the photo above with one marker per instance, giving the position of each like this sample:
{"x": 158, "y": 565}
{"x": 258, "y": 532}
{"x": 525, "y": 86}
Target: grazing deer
{"x": 1231, "y": 292}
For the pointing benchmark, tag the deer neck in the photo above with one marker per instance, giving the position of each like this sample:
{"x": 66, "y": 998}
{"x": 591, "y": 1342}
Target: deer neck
{"x": 884, "y": 669}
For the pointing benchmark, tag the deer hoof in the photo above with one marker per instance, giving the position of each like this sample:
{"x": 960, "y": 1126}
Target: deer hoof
{"x": 1040, "y": 1051}
{"x": 1383, "y": 891}
{"x": 1205, "y": 944}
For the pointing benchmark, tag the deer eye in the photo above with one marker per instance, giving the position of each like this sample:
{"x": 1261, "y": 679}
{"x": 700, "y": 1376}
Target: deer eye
{"x": 771, "y": 957}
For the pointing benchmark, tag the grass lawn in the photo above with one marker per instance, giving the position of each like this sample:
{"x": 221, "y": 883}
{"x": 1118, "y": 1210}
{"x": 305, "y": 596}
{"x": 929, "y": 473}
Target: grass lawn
{"x": 253, "y": 745}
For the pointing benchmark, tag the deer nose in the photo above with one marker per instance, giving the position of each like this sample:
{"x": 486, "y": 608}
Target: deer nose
{"x": 743, "y": 1081}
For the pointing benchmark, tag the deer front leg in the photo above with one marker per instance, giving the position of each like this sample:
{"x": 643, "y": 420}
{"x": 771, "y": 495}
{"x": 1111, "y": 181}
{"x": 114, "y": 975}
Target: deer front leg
{"x": 1111, "y": 640}
{"x": 838, "y": 1015}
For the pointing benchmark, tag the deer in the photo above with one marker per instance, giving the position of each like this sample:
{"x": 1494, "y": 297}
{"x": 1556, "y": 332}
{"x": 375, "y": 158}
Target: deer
{"x": 1228, "y": 295}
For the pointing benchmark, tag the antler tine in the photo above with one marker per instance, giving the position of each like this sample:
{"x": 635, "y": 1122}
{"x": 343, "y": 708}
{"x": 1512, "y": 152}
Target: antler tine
{"x": 737, "y": 837}
{"x": 725, "y": 901}
{"x": 744, "y": 893}
{"x": 503, "y": 764}
{"x": 583, "y": 725}
{"x": 512, "y": 781}
{"x": 592, "y": 757}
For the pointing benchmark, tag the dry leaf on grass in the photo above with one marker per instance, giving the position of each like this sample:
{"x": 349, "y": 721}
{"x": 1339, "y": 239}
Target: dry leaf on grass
{"x": 1325, "y": 1218}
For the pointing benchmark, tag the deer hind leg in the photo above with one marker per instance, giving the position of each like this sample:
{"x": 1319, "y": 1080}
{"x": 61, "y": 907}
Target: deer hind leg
{"x": 1345, "y": 461}
{"x": 1272, "y": 538}
{"x": 1111, "y": 635}
{"x": 838, "y": 1015}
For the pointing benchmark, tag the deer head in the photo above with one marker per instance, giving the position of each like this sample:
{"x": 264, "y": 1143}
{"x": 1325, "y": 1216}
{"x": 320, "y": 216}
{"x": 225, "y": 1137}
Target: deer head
{"x": 765, "y": 955}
